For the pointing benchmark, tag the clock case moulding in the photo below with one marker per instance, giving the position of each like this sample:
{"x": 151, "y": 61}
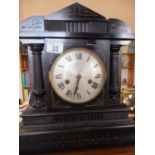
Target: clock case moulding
{"x": 52, "y": 124}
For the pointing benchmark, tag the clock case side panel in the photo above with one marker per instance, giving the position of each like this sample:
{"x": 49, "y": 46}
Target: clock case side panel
{"x": 100, "y": 47}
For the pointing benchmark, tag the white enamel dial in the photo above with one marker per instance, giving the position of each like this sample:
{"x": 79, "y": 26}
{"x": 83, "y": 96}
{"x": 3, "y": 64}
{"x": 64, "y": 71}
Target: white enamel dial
{"x": 77, "y": 76}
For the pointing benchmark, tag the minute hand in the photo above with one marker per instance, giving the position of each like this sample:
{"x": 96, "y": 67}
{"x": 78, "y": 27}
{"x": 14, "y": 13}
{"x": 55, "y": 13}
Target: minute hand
{"x": 77, "y": 84}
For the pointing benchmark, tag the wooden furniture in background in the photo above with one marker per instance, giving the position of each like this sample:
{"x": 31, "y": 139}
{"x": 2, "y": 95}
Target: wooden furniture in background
{"x": 25, "y": 77}
{"x": 131, "y": 70}
{"x": 128, "y": 63}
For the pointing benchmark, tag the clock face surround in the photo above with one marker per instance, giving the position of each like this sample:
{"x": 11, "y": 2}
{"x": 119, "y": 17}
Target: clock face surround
{"x": 78, "y": 75}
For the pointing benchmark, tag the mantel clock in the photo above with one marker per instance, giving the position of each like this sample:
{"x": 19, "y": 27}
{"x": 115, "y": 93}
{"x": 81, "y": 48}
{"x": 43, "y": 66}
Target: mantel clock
{"x": 74, "y": 63}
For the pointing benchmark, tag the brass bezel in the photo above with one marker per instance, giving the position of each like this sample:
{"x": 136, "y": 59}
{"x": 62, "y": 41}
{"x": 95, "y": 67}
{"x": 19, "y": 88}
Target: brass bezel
{"x": 72, "y": 50}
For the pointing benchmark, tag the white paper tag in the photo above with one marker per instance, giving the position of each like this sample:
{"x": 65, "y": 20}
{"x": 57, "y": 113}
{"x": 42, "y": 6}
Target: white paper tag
{"x": 54, "y": 47}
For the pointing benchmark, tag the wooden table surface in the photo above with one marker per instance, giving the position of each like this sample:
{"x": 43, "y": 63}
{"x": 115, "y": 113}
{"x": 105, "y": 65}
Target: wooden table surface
{"x": 125, "y": 150}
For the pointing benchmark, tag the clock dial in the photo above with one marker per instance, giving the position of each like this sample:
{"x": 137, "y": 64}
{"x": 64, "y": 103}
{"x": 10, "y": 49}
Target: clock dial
{"x": 78, "y": 75}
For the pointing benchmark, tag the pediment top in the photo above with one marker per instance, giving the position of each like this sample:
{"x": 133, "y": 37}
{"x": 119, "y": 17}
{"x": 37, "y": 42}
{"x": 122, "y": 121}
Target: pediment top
{"x": 75, "y": 12}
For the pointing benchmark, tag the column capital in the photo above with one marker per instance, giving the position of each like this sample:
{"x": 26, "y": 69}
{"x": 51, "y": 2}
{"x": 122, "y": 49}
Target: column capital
{"x": 36, "y": 48}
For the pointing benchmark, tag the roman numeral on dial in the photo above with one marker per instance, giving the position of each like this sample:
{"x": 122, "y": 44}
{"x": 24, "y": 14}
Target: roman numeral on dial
{"x": 88, "y": 92}
{"x": 68, "y": 58}
{"x": 98, "y": 76}
{"x": 94, "y": 85}
{"x": 69, "y": 93}
{"x": 78, "y": 95}
{"x": 95, "y": 65}
{"x": 58, "y": 76}
{"x": 88, "y": 58}
{"x": 61, "y": 85}
{"x": 79, "y": 56}
{"x": 61, "y": 66}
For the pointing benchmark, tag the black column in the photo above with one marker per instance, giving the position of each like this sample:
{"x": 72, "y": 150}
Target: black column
{"x": 115, "y": 74}
{"x": 37, "y": 84}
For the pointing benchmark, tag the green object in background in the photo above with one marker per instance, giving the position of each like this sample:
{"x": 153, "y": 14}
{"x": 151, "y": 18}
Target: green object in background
{"x": 131, "y": 48}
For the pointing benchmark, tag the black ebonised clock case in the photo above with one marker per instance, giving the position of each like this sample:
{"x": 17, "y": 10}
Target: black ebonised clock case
{"x": 51, "y": 124}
